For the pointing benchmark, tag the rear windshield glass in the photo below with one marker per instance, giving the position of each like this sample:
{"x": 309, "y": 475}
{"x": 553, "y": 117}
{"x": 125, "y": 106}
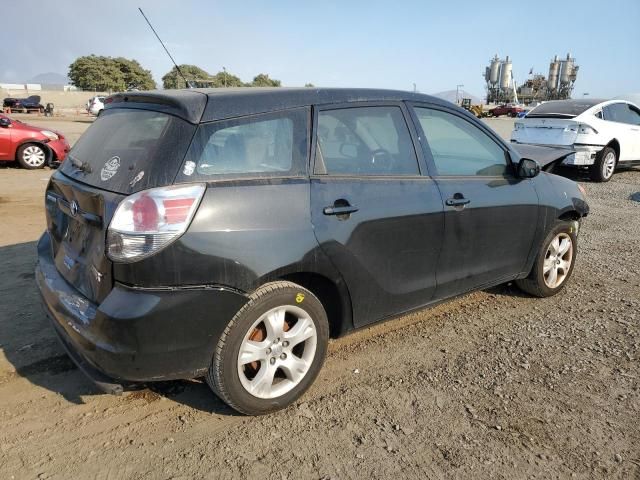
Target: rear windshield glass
{"x": 258, "y": 146}
{"x": 127, "y": 150}
{"x": 562, "y": 108}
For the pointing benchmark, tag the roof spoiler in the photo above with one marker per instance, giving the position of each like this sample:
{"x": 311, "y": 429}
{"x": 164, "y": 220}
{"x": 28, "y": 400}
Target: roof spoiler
{"x": 186, "y": 104}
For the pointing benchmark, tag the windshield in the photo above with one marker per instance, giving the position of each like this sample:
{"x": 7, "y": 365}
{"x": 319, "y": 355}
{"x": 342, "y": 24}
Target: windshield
{"x": 562, "y": 108}
{"x": 127, "y": 150}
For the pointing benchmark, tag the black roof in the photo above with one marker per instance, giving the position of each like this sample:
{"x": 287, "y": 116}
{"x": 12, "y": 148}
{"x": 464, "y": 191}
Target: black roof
{"x": 208, "y": 104}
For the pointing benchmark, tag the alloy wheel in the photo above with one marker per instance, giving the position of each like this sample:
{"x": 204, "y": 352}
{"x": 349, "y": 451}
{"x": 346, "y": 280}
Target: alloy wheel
{"x": 557, "y": 260}
{"x": 277, "y": 352}
{"x": 609, "y": 165}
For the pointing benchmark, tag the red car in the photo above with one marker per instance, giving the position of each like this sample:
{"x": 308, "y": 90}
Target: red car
{"x": 33, "y": 147}
{"x": 508, "y": 109}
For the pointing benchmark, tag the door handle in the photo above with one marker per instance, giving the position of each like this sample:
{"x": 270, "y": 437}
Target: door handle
{"x": 457, "y": 202}
{"x": 339, "y": 210}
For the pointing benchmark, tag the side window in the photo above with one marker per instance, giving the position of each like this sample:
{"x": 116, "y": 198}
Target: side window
{"x": 458, "y": 147}
{"x": 598, "y": 114}
{"x": 261, "y": 145}
{"x": 622, "y": 113}
{"x": 366, "y": 141}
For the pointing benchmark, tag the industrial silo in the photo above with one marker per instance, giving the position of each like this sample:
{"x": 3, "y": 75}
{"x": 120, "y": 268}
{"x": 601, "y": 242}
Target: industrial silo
{"x": 494, "y": 71}
{"x": 566, "y": 70}
{"x": 554, "y": 71}
{"x": 505, "y": 74}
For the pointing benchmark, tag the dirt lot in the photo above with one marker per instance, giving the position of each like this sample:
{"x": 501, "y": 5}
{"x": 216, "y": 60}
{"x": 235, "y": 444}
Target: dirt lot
{"x": 492, "y": 385}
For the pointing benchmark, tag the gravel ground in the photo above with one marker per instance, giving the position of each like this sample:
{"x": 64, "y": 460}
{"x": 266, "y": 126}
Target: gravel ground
{"x": 495, "y": 384}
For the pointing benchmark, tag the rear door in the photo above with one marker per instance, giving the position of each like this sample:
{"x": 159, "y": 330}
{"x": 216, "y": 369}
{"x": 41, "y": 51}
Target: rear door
{"x": 490, "y": 215}
{"x": 376, "y": 216}
{"x": 626, "y": 119}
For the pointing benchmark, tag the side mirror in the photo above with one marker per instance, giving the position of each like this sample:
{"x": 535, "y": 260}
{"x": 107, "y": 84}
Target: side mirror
{"x": 5, "y": 122}
{"x": 528, "y": 168}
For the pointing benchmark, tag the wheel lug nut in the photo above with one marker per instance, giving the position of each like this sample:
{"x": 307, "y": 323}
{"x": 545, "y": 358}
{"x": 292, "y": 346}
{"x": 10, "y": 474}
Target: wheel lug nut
{"x": 268, "y": 351}
{"x": 285, "y": 344}
{"x": 283, "y": 356}
{"x": 272, "y": 360}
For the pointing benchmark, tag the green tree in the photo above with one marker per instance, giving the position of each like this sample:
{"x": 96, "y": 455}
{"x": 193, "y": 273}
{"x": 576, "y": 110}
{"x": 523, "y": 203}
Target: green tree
{"x": 226, "y": 79}
{"x": 263, "y": 80}
{"x": 134, "y": 75}
{"x": 94, "y": 72}
{"x": 197, "y": 77}
{"x": 309, "y": 85}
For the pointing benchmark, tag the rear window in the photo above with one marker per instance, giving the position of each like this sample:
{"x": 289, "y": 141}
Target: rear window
{"x": 562, "y": 108}
{"x": 128, "y": 150}
{"x": 269, "y": 145}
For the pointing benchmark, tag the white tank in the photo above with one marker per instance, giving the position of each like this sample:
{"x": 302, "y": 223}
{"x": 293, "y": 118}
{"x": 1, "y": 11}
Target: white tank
{"x": 566, "y": 70}
{"x": 554, "y": 71}
{"x": 505, "y": 74}
{"x": 494, "y": 70}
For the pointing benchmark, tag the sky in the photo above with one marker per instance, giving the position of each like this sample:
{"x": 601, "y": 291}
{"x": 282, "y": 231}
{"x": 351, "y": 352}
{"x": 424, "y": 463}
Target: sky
{"x": 382, "y": 44}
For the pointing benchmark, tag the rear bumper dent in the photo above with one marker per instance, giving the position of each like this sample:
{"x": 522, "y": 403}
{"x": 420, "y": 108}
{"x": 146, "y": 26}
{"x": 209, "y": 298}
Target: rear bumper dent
{"x": 584, "y": 155}
{"x": 135, "y": 335}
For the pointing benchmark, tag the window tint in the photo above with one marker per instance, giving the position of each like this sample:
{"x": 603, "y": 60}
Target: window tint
{"x": 366, "y": 141}
{"x": 262, "y": 145}
{"x": 622, "y": 113}
{"x": 458, "y": 147}
{"x": 127, "y": 150}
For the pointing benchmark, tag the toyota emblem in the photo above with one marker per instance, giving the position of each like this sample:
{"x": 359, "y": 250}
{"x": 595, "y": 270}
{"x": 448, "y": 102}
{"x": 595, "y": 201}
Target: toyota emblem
{"x": 74, "y": 208}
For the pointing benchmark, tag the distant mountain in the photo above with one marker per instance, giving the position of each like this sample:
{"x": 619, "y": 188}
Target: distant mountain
{"x": 450, "y": 96}
{"x": 50, "y": 78}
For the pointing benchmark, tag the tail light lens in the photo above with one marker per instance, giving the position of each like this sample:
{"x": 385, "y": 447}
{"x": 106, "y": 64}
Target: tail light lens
{"x": 148, "y": 221}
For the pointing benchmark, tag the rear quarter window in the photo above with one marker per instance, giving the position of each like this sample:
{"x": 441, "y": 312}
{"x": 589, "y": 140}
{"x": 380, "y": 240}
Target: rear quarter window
{"x": 267, "y": 145}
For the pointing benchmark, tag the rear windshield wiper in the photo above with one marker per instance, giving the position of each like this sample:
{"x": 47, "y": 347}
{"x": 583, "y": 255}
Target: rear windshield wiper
{"x": 82, "y": 166}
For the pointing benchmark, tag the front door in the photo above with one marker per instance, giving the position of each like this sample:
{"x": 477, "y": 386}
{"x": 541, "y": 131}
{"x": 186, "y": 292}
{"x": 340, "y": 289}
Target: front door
{"x": 626, "y": 119}
{"x": 5, "y": 143}
{"x": 490, "y": 215}
{"x": 374, "y": 214}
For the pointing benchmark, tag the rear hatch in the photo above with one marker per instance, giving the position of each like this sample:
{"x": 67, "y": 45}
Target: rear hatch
{"x": 552, "y": 123}
{"x": 123, "y": 152}
{"x": 546, "y": 131}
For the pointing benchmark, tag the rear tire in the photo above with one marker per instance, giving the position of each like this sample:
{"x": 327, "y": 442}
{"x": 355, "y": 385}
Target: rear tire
{"x": 554, "y": 263}
{"x": 271, "y": 351}
{"x": 31, "y": 156}
{"x": 603, "y": 168}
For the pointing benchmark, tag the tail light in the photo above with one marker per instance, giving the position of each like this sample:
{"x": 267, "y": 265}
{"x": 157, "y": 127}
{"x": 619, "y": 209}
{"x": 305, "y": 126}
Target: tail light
{"x": 148, "y": 221}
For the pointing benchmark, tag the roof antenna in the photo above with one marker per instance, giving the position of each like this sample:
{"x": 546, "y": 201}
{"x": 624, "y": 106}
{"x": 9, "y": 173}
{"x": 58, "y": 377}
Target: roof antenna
{"x": 165, "y": 49}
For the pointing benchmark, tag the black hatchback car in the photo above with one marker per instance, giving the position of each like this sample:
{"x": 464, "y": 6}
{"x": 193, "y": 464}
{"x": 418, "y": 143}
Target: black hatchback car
{"x": 230, "y": 233}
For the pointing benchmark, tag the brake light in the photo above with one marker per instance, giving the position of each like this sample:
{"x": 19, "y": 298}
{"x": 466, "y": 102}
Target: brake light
{"x": 148, "y": 221}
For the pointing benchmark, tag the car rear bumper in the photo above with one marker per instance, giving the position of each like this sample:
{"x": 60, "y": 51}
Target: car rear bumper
{"x": 584, "y": 155}
{"x": 135, "y": 335}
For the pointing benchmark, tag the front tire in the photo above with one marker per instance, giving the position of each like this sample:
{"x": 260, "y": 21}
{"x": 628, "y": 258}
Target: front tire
{"x": 604, "y": 166}
{"x": 554, "y": 263}
{"x": 32, "y": 156}
{"x": 271, "y": 351}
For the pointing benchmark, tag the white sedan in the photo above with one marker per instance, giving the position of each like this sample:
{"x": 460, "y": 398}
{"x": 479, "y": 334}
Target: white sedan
{"x": 605, "y": 134}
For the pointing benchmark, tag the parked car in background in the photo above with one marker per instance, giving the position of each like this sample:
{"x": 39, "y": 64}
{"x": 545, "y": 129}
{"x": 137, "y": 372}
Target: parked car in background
{"x": 33, "y": 147}
{"x": 605, "y": 134}
{"x": 509, "y": 109}
{"x": 95, "y": 105}
{"x": 227, "y": 233}
{"x": 25, "y": 105}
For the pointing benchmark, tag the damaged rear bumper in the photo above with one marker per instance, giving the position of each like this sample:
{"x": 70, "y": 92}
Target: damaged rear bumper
{"x": 584, "y": 155}
{"x": 135, "y": 335}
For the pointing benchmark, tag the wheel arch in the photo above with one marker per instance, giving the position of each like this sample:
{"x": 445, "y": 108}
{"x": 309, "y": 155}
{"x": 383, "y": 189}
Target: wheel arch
{"x": 616, "y": 147}
{"x": 333, "y": 295}
{"x": 47, "y": 150}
